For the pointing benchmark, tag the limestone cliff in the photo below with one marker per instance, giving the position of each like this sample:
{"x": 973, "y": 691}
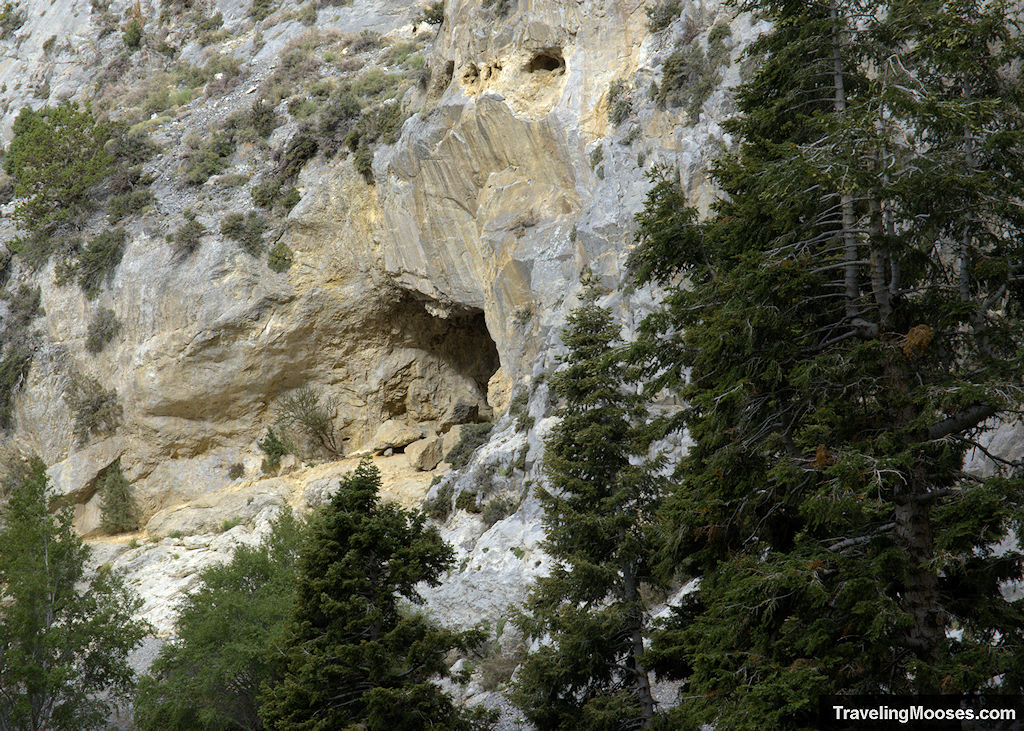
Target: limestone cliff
{"x": 418, "y": 303}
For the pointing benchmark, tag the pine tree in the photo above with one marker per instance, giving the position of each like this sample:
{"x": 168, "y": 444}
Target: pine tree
{"x": 118, "y": 511}
{"x": 56, "y": 158}
{"x": 589, "y": 615}
{"x": 64, "y": 636}
{"x": 226, "y": 635}
{"x": 355, "y": 652}
{"x": 850, "y": 326}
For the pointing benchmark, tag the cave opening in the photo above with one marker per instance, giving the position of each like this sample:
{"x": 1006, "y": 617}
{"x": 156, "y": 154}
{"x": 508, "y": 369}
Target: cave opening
{"x": 546, "y": 61}
{"x": 443, "y": 360}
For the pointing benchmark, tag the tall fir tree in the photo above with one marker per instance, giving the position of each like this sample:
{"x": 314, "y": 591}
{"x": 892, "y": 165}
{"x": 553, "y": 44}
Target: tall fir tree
{"x": 356, "y": 654}
{"x": 589, "y": 614}
{"x": 850, "y": 327}
{"x": 64, "y": 636}
{"x": 118, "y": 510}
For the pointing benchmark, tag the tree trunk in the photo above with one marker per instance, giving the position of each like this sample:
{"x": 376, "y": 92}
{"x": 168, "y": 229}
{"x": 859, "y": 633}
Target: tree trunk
{"x": 846, "y": 200}
{"x": 641, "y": 680}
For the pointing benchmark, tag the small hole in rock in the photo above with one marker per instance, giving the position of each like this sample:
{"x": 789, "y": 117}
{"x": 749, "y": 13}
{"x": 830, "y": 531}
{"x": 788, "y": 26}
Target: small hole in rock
{"x": 546, "y": 61}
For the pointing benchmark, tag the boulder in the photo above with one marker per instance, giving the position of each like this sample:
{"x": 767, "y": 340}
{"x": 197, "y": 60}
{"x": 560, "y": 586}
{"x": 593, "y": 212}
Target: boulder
{"x": 424, "y": 454}
{"x": 393, "y": 433}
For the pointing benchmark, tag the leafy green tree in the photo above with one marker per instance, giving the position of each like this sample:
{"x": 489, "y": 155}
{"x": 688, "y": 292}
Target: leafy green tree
{"x": 56, "y": 158}
{"x": 118, "y": 510}
{"x": 355, "y": 654}
{"x": 64, "y": 636}
{"x": 210, "y": 675}
{"x": 850, "y": 324}
{"x": 588, "y": 672}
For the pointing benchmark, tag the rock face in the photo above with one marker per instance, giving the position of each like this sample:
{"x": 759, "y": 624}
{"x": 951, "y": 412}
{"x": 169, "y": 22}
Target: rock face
{"x": 413, "y": 306}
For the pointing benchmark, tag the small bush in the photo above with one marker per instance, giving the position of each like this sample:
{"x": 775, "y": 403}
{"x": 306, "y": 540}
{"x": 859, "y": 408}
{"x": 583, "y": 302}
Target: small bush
{"x": 308, "y": 411}
{"x": 266, "y": 193}
{"x": 132, "y": 35}
{"x": 103, "y": 328}
{"x": 363, "y": 161}
{"x": 290, "y": 199}
{"x": 14, "y": 368}
{"x": 95, "y": 409}
{"x": 690, "y": 74}
{"x": 280, "y": 257}
{"x": 433, "y": 14}
{"x": 498, "y": 508}
{"x": 118, "y": 510}
{"x": 275, "y": 448}
{"x": 211, "y": 158}
{"x": 439, "y": 507}
{"x": 99, "y": 258}
{"x": 466, "y": 500}
{"x": 236, "y": 470}
{"x": 261, "y": 9}
{"x": 187, "y": 238}
{"x": 228, "y": 524}
{"x": 128, "y": 204}
{"x": 252, "y": 125}
{"x": 12, "y": 17}
{"x": 660, "y": 16}
{"x": 620, "y": 105}
{"x": 471, "y": 438}
{"x": 23, "y": 306}
{"x": 245, "y": 229}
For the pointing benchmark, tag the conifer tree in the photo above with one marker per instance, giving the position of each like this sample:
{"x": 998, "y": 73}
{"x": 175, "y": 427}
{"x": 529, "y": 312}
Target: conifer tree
{"x": 64, "y": 637}
{"x": 355, "y": 652}
{"x": 119, "y": 513}
{"x": 226, "y": 637}
{"x": 850, "y": 326}
{"x": 589, "y": 615}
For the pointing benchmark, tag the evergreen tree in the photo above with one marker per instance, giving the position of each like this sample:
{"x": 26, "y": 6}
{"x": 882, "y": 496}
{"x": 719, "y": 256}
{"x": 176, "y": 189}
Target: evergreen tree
{"x": 64, "y": 637}
{"x": 588, "y": 672}
{"x": 355, "y": 654}
{"x": 850, "y": 326}
{"x": 56, "y": 158}
{"x": 118, "y": 511}
{"x": 226, "y": 634}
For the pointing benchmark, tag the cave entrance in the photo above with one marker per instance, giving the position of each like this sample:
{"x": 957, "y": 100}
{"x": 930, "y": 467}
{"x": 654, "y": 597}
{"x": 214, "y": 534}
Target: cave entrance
{"x": 440, "y": 366}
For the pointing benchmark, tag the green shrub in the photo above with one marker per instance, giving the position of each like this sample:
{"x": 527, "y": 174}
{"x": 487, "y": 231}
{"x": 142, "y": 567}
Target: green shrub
{"x": 236, "y": 470}
{"x": 307, "y": 16}
{"x": 57, "y": 158}
{"x": 187, "y": 238}
{"x": 399, "y": 53}
{"x": 308, "y": 411}
{"x": 132, "y": 35}
{"x": 128, "y": 204}
{"x": 301, "y": 148}
{"x": 266, "y": 193}
{"x": 95, "y": 409}
{"x": 302, "y": 108}
{"x": 103, "y": 328}
{"x": 660, "y": 16}
{"x": 252, "y": 125}
{"x": 99, "y": 258}
{"x": 620, "y": 105}
{"x": 229, "y": 523}
{"x": 245, "y": 229}
{"x": 14, "y": 368}
{"x": 439, "y": 507}
{"x": 363, "y": 161}
{"x": 290, "y": 199}
{"x": 118, "y": 510}
{"x": 471, "y": 438}
{"x": 498, "y": 508}
{"x": 280, "y": 257}
{"x": 261, "y": 9}
{"x": 275, "y": 448}
{"x": 690, "y": 74}
{"x": 211, "y": 158}
{"x": 23, "y": 306}
{"x": 12, "y": 17}
{"x": 433, "y": 14}
{"x": 466, "y": 500}
{"x": 336, "y": 120}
